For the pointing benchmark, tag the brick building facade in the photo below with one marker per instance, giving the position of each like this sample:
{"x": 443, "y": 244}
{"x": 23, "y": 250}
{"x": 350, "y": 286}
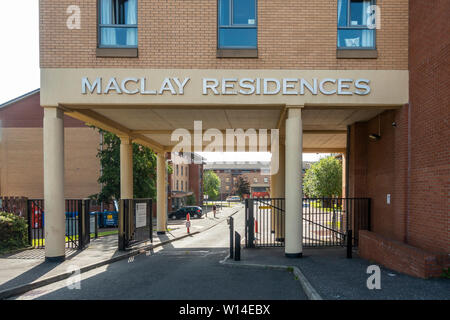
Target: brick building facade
{"x": 405, "y": 101}
{"x": 411, "y": 161}
{"x": 229, "y": 173}
{"x": 21, "y": 152}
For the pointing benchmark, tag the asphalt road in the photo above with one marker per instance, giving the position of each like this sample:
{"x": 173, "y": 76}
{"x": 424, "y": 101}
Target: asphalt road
{"x": 187, "y": 269}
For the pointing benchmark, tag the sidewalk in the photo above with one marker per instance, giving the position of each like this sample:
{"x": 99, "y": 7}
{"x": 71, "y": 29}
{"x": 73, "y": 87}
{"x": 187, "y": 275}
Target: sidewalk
{"x": 29, "y": 267}
{"x": 334, "y": 277}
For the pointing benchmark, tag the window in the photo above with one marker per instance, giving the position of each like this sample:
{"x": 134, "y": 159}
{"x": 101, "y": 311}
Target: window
{"x": 181, "y": 170}
{"x": 353, "y": 19}
{"x": 177, "y": 170}
{"x": 177, "y": 186}
{"x": 186, "y": 188}
{"x": 118, "y": 23}
{"x": 266, "y": 180}
{"x": 237, "y": 24}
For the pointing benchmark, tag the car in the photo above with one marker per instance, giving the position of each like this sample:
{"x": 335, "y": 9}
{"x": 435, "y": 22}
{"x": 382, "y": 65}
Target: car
{"x": 194, "y": 212}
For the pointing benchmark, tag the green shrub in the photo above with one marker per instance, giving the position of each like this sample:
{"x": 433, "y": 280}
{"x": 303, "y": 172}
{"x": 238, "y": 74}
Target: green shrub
{"x": 13, "y": 232}
{"x": 191, "y": 201}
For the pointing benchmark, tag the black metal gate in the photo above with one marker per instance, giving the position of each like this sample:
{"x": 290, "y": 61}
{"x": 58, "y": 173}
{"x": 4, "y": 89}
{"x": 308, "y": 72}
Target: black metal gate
{"x": 326, "y": 221}
{"x": 135, "y": 222}
{"x": 77, "y": 223}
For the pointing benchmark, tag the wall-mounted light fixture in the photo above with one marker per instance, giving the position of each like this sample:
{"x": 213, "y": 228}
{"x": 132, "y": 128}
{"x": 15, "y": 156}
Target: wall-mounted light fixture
{"x": 374, "y": 136}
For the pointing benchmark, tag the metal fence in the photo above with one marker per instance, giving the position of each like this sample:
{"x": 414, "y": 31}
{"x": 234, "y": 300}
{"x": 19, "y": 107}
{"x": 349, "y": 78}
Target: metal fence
{"x": 135, "y": 222}
{"x": 77, "y": 223}
{"x": 326, "y": 221}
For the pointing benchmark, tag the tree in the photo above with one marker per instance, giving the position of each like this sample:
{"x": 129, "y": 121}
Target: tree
{"x": 144, "y": 170}
{"x": 191, "y": 201}
{"x": 242, "y": 186}
{"x": 324, "y": 179}
{"x": 211, "y": 185}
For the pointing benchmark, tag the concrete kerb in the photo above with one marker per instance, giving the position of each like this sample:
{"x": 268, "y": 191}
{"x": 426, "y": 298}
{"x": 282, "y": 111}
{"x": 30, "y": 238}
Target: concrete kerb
{"x": 309, "y": 290}
{"x": 8, "y": 293}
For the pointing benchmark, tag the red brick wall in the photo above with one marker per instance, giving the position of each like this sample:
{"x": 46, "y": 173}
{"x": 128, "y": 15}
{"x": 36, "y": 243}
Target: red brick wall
{"x": 196, "y": 181}
{"x": 27, "y": 113}
{"x": 399, "y": 256}
{"x": 429, "y": 205}
{"x": 412, "y": 160}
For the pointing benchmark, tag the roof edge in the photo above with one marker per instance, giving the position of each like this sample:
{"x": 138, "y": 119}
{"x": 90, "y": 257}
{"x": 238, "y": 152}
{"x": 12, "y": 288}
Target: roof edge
{"x": 26, "y": 95}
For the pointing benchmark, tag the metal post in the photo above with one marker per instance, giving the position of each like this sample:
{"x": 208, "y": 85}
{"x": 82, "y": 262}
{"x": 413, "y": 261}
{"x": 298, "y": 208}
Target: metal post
{"x": 231, "y": 222}
{"x": 80, "y": 213}
{"x": 30, "y": 226}
{"x": 251, "y": 225}
{"x": 122, "y": 225}
{"x": 237, "y": 246}
{"x": 150, "y": 207}
{"x": 349, "y": 244}
{"x": 96, "y": 224}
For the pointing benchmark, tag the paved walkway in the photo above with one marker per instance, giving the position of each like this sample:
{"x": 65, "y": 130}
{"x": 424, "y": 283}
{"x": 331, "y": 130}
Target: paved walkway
{"x": 29, "y": 266}
{"x": 335, "y": 277}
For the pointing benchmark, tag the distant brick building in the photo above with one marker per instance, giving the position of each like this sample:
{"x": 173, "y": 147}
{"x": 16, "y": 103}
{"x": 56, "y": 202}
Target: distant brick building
{"x": 228, "y": 173}
{"x": 186, "y": 179}
{"x": 21, "y": 153}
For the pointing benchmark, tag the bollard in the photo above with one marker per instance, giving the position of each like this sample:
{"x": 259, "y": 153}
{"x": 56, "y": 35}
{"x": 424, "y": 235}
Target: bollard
{"x": 237, "y": 246}
{"x": 349, "y": 244}
{"x": 231, "y": 223}
{"x": 188, "y": 222}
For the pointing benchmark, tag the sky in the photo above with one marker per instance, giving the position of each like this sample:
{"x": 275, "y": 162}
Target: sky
{"x": 19, "y": 65}
{"x": 19, "y": 52}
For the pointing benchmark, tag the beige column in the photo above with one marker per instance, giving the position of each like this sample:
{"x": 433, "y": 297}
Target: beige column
{"x": 277, "y": 185}
{"x": 293, "y": 189}
{"x": 126, "y": 168}
{"x": 55, "y": 228}
{"x": 161, "y": 193}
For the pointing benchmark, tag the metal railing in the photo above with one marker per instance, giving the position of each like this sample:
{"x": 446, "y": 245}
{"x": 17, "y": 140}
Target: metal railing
{"x": 326, "y": 221}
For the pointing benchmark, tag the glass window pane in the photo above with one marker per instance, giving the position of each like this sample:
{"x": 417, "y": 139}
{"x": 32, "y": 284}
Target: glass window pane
{"x": 118, "y": 36}
{"x": 358, "y": 12}
{"x": 244, "y": 12}
{"x": 107, "y": 12}
{"x": 130, "y": 12}
{"x": 224, "y": 12}
{"x": 238, "y": 38}
{"x": 354, "y": 38}
{"x": 342, "y": 13}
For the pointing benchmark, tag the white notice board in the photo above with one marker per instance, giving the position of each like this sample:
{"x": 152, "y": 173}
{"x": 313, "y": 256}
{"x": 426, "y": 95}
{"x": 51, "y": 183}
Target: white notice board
{"x": 141, "y": 215}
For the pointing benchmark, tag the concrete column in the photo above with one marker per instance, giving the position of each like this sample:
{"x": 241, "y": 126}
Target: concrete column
{"x": 293, "y": 189}
{"x": 161, "y": 193}
{"x": 55, "y": 228}
{"x": 126, "y": 168}
{"x": 277, "y": 185}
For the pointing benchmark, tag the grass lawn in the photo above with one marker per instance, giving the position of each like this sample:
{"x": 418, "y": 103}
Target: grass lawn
{"x": 74, "y": 238}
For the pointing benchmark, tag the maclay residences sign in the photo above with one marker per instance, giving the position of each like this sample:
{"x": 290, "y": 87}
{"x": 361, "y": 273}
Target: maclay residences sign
{"x": 227, "y": 86}
{"x": 159, "y": 87}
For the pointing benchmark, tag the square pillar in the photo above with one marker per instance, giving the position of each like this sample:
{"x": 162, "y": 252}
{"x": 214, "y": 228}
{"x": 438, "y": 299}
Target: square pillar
{"x": 126, "y": 168}
{"x": 161, "y": 193}
{"x": 55, "y": 222}
{"x": 293, "y": 188}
